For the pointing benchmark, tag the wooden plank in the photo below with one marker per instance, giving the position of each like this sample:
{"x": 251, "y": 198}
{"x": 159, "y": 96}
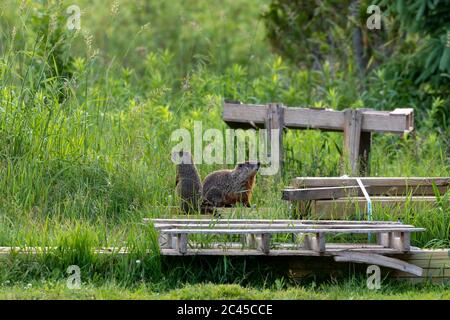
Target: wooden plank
{"x": 244, "y": 115}
{"x": 273, "y": 253}
{"x": 265, "y": 221}
{"x": 291, "y": 230}
{"x": 316, "y": 182}
{"x": 371, "y": 258}
{"x": 325, "y": 193}
{"x": 277, "y": 226}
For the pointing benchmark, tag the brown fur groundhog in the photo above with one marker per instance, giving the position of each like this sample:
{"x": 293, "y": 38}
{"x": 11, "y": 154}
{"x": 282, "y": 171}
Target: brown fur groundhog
{"x": 188, "y": 183}
{"x": 225, "y": 188}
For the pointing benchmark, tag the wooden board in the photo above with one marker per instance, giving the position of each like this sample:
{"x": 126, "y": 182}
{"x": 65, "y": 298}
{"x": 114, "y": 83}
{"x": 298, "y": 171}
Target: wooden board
{"x": 269, "y": 226}
{"x": 265, "y": 221}
{"x": 317, "y": 182}
{"x": 376, "y": 259}
{"x": 274, "y": 230}
{"x": 243, "y": 115}
{"x": 324, "y": 193}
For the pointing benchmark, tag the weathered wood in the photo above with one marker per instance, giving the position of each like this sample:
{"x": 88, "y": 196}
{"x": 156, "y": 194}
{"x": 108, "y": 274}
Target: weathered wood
{"x": 435, "y": 264}
{"x": 264, "y": 243}
{"x": 275, "y": 123}
{"x": 274, "y": 253}
{"x": 324, "y": 193}
{"x": 275, "y": 225}
{"x": 400, "y": 240}
{"x": 265, "y": 221}
{"x": 383, "y": 239}
{"x": 371, "y": 258}
{"x": 314, "y": 242}
{"x": 352, "y": 138}
{"x": 165, "y": 240}
{"x": 182, "y": 242}
{"x": 244, "y": 115}
{"x": 317, "y": 182}
{"x": 288, "y": 231}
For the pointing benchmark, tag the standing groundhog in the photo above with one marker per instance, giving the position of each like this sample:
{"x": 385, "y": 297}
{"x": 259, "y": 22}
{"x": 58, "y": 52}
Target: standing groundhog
{"x": 225, "y": 188}
{"x": 188, "y": 184}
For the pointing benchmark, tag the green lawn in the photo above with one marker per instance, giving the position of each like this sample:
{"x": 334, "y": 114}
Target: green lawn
{"x": 58, "y": 290}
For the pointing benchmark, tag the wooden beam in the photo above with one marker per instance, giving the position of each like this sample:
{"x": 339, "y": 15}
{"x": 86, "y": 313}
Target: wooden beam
{"x": 244, "y": 115}
{"x": 290, "y": 230}
{"x": 265, "y": 221}
{"x": 315, "y": 182}
{"x": 372, "y": 258}
{"x": 269, "y": 226}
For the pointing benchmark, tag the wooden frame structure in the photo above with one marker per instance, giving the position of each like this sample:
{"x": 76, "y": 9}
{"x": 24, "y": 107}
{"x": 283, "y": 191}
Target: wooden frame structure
{"x": 356, "y": 124}
{"x": 392, "y": 238}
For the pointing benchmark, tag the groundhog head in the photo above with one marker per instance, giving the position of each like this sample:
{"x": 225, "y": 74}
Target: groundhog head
{"x": 182, "y": 157}
{"x": 247, "y": 170}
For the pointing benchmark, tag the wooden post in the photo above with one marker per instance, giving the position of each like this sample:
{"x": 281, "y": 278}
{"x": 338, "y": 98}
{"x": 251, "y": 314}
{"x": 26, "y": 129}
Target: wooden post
{"x": 182, "y": 243}
{"x": 356, "y": 142}
{"x": 383, "y": 239}
{"x": 316, "y": 243}
{"x": 352, "y": 138}
{"x": 400, "y": 241}
{"x": 275, "y": 120}
{"x": 264, "y": 244}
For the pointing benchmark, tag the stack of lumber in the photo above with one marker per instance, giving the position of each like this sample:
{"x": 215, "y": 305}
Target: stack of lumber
{"x": 337, "y": 197}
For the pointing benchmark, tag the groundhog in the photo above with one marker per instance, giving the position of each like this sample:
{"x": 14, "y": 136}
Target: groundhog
{"x": 225, "y": 188}
{"x": 188, "y": 183}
